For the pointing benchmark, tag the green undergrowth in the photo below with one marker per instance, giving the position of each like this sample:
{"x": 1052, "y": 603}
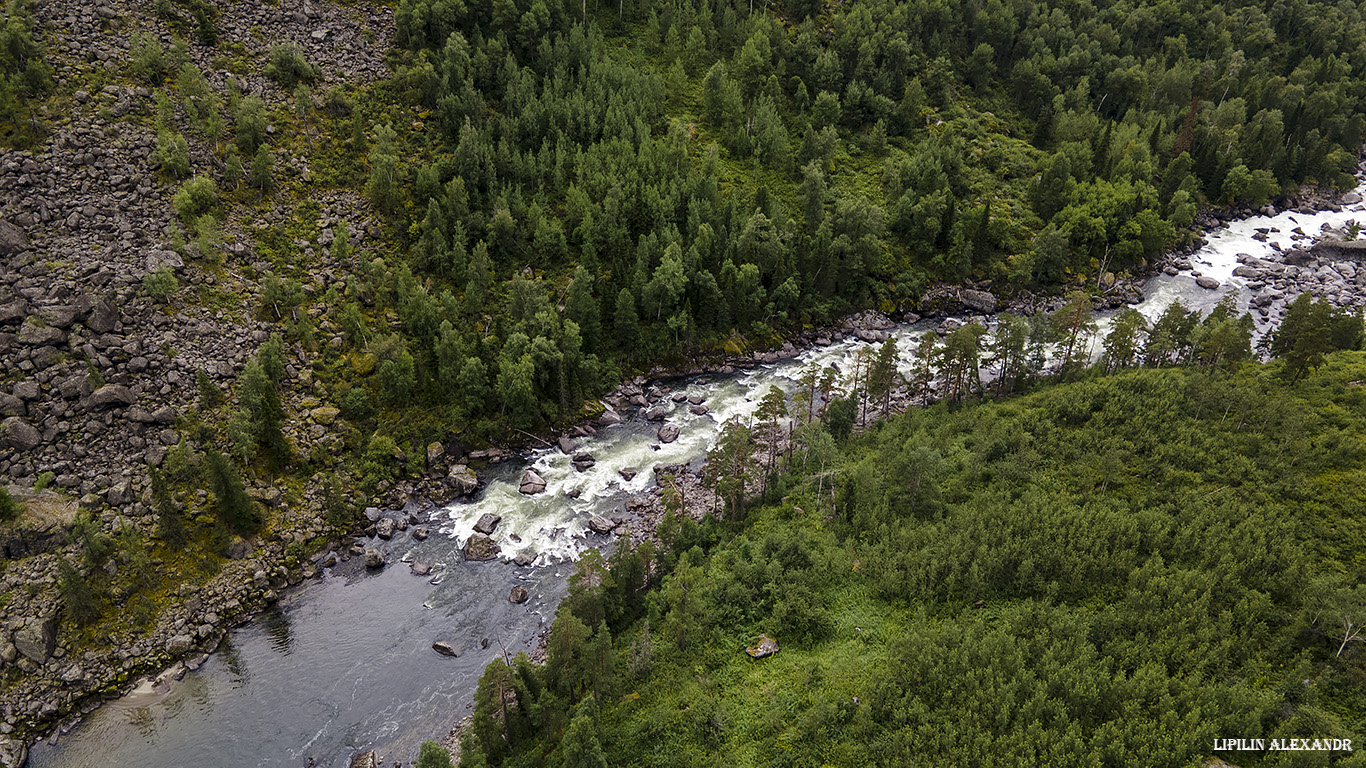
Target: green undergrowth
{"x": 1116, "y": 571}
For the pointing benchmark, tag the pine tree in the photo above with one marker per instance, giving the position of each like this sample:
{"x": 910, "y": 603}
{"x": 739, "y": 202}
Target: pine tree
{"x": 580, "y": 746}
{"x": 234, "y": 508}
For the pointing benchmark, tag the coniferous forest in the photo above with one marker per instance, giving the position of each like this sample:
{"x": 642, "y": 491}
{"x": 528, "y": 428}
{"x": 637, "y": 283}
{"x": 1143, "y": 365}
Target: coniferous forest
{"x": 498, "y": 210}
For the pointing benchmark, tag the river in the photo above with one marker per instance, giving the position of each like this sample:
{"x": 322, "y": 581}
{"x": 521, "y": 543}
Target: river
{"x": 344, "y": 663}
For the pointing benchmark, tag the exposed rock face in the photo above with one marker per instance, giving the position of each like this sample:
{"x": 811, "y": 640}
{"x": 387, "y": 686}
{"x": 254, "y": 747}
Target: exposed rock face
{"x": 463, "y": 480}
{"x": 17, "y": 433}
{"x": 532, "y": 483}
{"x": 480, "y": 548}
{"x": 518, "y": 595}
{"x": 766, "y": 646}
{"x": 668, "y": 433}
{"x": 37, "y": 638}
{"x": 444, "y": 648}
{"x": 488, "y": 522}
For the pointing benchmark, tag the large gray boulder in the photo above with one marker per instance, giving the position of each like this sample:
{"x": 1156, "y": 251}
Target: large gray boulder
{"x": 518, "y": 595}
{"x": 979, "y": 301}
{"x": 566, "y": 444}
{"x": 608, "y": 418}
{"x": 103, "y": 317}
{"x": 12, "y": 239}
{"x": 463, "y": 480}
{"x": 384, "y": 528}
{"x": 37, "y": 638}
{"x": 532, "y": 483}
{"x": 40, "y": 335}
{"x": 374, "y": 558}
{"x": 668, "y": 433}
{"x": 17, "y": 433}
{"x": 488, "y": 523}
{"x": 115, "y": 395}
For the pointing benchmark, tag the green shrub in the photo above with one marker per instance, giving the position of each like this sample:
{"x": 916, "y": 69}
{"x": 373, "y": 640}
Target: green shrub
{"x": 9, "y": 508}
{"x": 288, "y": 66}
{"x": 197, "y": 197}
{"x": 160, "y": 284}
{"x": 173, "y": 154}
{"x": 148, "y": 59}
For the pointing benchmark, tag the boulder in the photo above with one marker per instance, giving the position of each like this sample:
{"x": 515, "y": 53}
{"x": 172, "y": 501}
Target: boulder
{"x": 566, "y": 444}
{"x": 600, "y": 525}
{"x": 627, "y": 474}
{"x": 40, "y": 335}
{"x": 179, "y": 644}
{"x": 17, "y": 433}
{"x": 374, "y": 558}
{"x": 979, "y": 301}
{"x": 103, "y": 317}
{"x": 583, "y": 461}
{"x": 58, "y": 316}
{"x": 366, "y": 759}
{"x": 444, "y": 648}
{"x": 13, "y": 753}
{"x": 480, "y": 547}
{"x": 699, "y": 410}
{"x": 13, "y": 312}
{"x": 420, "y": 534}
{"x": 518, "y": 595}
{"x": 115, "y": 395}
{"x": 12, "y": 239}
{"x": 324, "y": 415}
{"x": 525, "y": 559}
{"x": 239, "y": 548}
{"x": 696, "y": 399}
{"x": 532, "y": 483}
{"x": 420, "y": 569}
{"x": 434, "y": 453}
{"x": 36, "y": 638}
{"x": 766, "y": 646}
{"x": 463, "y": 480}
{"x": 608, "y": 418}
{"x": 384, "y": 527}
{"x": 1207, "y": 282}
{"x": 488, "y": 523}
{"x": 656, "y": 414}
{"x": 668, "y": 433}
